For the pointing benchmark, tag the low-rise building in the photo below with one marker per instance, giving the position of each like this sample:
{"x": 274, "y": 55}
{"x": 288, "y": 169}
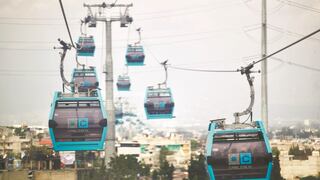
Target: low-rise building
{"x": 14, "y": 144}
{"x": 293, "y": 169}
{"x": 129, "y": 148}
{"x": 147, "y": 149}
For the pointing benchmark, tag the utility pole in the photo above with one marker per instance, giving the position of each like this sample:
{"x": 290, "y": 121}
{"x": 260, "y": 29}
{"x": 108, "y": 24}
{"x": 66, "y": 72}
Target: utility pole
{"x": 108, "y": 69}
{"x": 264, "y": 67}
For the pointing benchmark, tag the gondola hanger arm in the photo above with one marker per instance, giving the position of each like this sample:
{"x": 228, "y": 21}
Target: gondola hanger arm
{"x": 247, "y": 71}
{"x": 165, "y": 66}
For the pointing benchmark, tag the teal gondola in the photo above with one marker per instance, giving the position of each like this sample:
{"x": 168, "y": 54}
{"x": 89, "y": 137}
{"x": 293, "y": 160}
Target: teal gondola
{"x": 86, "y": 46}
{"x": 123, "y": 83}
{"x": 84, "y": 79}
{"x": 78, "y": 122}
{"x": 135, "y": 55}
{"x": 159, "y": 103}
{"x": 238, "y": 152}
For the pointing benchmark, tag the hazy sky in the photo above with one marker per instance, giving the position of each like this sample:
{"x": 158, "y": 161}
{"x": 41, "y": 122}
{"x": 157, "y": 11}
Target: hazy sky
{"x": 204, "y": 34}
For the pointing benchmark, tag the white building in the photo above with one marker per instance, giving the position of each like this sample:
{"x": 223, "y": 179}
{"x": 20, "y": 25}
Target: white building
{"x": 147, "y": 149}
{"x": 128, "y": 148}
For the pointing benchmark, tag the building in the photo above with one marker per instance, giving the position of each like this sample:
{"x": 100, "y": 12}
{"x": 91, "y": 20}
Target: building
{"x": 293, "y": 169}
{"x": 129, "y": 148}
{"x": 147, "y": 149}
{"x": 14, "y": 144}
{"x": 18, "y": 139}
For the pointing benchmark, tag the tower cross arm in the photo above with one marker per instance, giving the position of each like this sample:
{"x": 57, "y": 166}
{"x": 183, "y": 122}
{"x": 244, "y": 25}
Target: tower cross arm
{"x": 105, "y": 5}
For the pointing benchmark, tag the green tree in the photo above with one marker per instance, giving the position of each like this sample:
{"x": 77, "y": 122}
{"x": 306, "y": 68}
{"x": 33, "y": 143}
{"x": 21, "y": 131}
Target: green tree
{"x": 166, "y": 170}
{"x": 100, "y": 173}
{"x": 40, "y": 136}
{"x": 20, "y": 132}
{"x": 11, "y": 154}
{"x": 144, "y": 169}
{"x": 197, "y": 169}
{"x": 38, "y": 153}
{"x": 127, "y": 167}
{"x": 275, "y": 174}
{"x": 194, "y": 145}
{"x": 310, "y": 178}
{"x": 155, "y": 175}
{"x": 164, "y": 152}
{"x": 300, "y": 154}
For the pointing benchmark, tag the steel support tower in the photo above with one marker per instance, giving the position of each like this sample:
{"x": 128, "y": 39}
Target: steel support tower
{"x": 108, "y": 69}
{"x": 264, "y": 67}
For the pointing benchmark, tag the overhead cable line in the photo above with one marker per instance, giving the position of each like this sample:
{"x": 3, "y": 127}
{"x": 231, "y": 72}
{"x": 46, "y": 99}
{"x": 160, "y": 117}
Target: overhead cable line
{"x": 66, "y": 22}
{"x": 191, "y": 11}
{"x": 300, "y": 6}
{"x": 27, "y": 42}
{"x": 208, "y": 9}
{"x": 154, "y": 57}
{"x": 201, "y": 70}
{"x": 250, "y": 66}
{"x": 142, "y": 13}
{"x": 15, "y": 72}
{"x": 296, "y": 64}
{"x": 286, "y": 47}
{"x": 187, "y": 69}
{"x": 270, "y": 12}
{"x": 287, "y": 32}
{"x": 33, "y": 18}
{"x": 146, "y": 38}
{"x": 180, "y": 9}
{"x": 25, "y": 49}
{"x": 139, "y": 14}
{"x": 165, "y": 43}
{"x": 200, "y": 9}
{"x": 282, "y": 32}
{"x": 207, "y": 70}
{"x": 33, "y": 24}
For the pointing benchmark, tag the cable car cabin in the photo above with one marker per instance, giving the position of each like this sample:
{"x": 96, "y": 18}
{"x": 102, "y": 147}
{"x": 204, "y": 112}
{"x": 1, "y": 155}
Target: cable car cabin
{"x": 159, "y": 103}
{"x": 123, "y": 83}
{"x": 238, "y": 153}
{"x": 85, "y": 79}
{"x": 135, "y": 55}
{"x": 77, "y": 123}
{"x": 118, "y": 112}
{"x": 119, "y": 121}
{"x": 85, "y": 46}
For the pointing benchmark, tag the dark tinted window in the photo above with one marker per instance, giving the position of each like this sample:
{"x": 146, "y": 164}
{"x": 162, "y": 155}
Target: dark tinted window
{"x": 78, "y": 121}
{"x": 129, "y": 145}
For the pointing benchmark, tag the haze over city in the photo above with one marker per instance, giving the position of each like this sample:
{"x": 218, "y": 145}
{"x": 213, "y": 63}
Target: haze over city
{"x": 202, "y": 34}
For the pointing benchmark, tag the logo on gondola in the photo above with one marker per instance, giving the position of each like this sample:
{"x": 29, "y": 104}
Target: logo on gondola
{"x": 83, "y": 123}
{"x": 234, "y": 159}
{"x": 240, "y": 159}
{"x": 72, "y": 123}
{"x": 162, "y": 104}
{"x": 245, "y": 158}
